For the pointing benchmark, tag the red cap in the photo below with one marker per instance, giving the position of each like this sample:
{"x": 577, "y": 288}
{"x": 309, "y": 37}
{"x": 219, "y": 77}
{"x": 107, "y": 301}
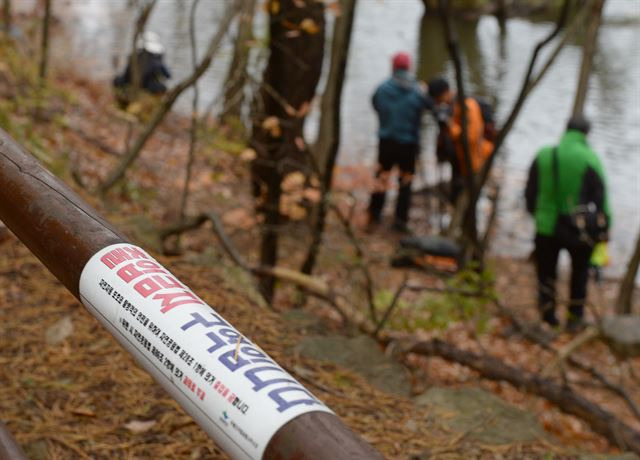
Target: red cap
{"x": 401, "y": 61}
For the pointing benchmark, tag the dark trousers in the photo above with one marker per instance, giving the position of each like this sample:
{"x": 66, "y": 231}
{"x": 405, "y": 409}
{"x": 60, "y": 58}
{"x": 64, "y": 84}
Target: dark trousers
{"x": 546, "y": 253}
{"x": 390, "y": 154}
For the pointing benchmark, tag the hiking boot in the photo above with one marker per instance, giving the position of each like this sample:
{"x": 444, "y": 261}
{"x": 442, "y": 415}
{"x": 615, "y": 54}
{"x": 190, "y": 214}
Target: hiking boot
{"x": 550, "y": 318}
{"x": 372, "y": 226}
{"x": 575, "y": 325}
{"x": 372, "y": 223}
{"x": 400, "y": 227}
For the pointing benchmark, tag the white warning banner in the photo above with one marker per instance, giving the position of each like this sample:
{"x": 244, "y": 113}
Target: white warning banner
{"x": 231, "y": 387}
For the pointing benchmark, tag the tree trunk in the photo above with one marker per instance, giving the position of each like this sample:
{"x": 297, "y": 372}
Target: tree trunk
{"x": 623, "y": 303}
{"x": 44, "y": 48}
{"x": 502, "y": 13}
{"x": 6, "y": 15}
{"x": 169, "y": 99}
{"x": 279, "y": 111}
{"x": 588, "y": 50}
{"x": 237, "y": 75}
{"x": 429, "y": 5}
{"x": 325, "y": 151}
{"x": 140, "y": 25}
{"x": 469, "y": 227}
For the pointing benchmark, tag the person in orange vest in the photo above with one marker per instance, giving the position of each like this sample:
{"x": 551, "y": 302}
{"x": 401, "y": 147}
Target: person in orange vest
{"x": 480, "y": 132}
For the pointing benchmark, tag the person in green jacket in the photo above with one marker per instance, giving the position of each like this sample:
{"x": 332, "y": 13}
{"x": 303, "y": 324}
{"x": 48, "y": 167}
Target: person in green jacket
{"x": 578, "y": 179}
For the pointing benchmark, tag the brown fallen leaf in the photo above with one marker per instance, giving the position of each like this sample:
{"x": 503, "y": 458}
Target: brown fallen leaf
{"x": 273, "y": 7}
{"x": 59, "y": 331}
{"x": 84, "y": 411}
{"x": 312, "y": 194}
{"x": 272, "y": 124}
{"x": 248, "y": 154}
{"x": 239, "y": 218}
{"x": 293, "y": 181}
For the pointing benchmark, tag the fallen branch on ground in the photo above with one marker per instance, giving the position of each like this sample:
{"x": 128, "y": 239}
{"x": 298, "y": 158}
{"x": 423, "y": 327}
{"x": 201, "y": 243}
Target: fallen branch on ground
{"x": 544, "y": 342}
{"x": 600, "y": 420}
{"x": 95, "y": 141}
{"x": 447, "y": 290}
{"x": 565, "y": 352}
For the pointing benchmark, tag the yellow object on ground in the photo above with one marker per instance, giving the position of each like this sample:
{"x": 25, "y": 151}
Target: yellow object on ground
{"x": 600, "y": 255}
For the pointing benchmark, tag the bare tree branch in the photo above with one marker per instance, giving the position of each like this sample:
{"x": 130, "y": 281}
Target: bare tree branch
{"x": 193, "y": 129}
{"x": 475, "y": 191}
{"x": 140, "y": 25}
{"x": 627, "y": 285}
{"x": 368, "y": 278}
{"x": 392, "y": 305}
{"x": 44, "y": 48}
{"x": 454, "y": 53}
{"x": 588, "y": 50}
{"x": 6, "y": 12}
{"x": 325, "y": 152}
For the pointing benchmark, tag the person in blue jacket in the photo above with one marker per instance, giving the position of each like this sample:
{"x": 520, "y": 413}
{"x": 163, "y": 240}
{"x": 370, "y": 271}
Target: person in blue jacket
{"x": 399, "y": 103}
{"x": 153, "y": 71}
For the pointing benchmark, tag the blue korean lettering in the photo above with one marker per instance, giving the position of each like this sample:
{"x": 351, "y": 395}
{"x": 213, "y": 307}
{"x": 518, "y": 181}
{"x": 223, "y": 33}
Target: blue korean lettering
{"x": 283, "y": 404}
{"x": 233, "y": 336}
{"x": 229, "y": 360}
{"x": 217, "y": 342}
{"x": 259, "y": 384}
{"x": 199, "y": 319}
{"x": 257, "y": 355}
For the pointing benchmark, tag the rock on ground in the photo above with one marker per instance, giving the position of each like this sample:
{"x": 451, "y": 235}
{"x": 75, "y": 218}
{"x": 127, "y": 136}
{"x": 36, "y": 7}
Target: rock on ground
{"x": 623, "y": 334}
{"x": 359, "y": 354}
{"x": 482, "y": 416}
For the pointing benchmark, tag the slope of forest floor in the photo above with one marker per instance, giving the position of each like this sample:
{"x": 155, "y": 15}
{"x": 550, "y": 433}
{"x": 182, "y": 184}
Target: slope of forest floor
{"x": 83, "y": 397}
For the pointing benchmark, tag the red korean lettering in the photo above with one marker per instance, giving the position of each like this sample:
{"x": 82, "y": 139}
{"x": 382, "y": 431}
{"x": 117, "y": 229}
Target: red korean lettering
{"x": 175, "y": 299}
{"x": 146, "y": 287}
{"x": 113, "y": 258}
{"x": 148, "y": 266}
{"x": 167, "y": 282}
{"x": 129, "y": 272}
{"x": 136, "y": 253}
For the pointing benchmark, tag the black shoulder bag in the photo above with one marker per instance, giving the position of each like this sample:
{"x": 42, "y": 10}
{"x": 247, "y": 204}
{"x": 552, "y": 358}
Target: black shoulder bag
{"x": 585, "y": 225}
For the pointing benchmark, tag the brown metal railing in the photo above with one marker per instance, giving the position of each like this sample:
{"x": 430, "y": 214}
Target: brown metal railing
{"x": 64, "y": 232}
{"x": 9, "y": 448}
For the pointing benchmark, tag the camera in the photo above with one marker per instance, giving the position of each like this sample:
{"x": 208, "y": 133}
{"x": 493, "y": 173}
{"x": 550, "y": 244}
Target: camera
{"x": 442, "y": 113}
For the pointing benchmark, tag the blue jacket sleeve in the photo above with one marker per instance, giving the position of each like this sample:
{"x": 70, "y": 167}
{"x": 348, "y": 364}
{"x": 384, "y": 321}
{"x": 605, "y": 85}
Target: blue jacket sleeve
{"x": 428, "y": 102}
{"x": 165, "y": 71}
{"x": 375, "y": 100}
